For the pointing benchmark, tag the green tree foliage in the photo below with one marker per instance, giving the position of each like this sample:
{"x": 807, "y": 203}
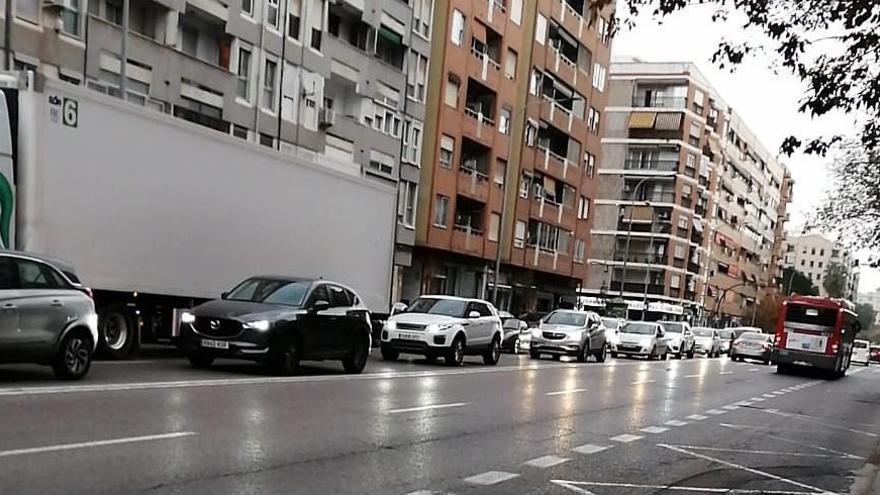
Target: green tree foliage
{"x": 866, "y": 317}
{"x": 768, "y": 311}
{"x": 795, "y": 282}
{"x": 834, "y": 281}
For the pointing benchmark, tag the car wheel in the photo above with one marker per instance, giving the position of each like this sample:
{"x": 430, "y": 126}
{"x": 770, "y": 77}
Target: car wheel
{"x": 652, "y": 355}
{"x": 665, "y": 355}
{"x": 431, "y": 357}
{"x": 200, "y": 359}
{"x": 557, "y": 357}
{"x": 584, "y": 355}
{"x": 782, "y": 369}
{"x": 517, "y": 346}
{"x": 74, "y": 357}
{"x": 492, "y": 355}
{"x": 614, "y": 354}
{"x": 388, "y": 353}
{"x": 691, "y": 352}
{"x": 455, "y": 354}
{"x": 602, "y": 354}
{"x": 356, "y": 363}
{"x": 287, "y": 355}
{"x": 534, "y": 355}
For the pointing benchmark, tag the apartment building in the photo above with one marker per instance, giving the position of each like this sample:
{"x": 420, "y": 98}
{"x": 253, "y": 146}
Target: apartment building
{"x": 812, "y": 254}
{"x": 517, "y": 91}
{"x": 752, "y": 195}
{"x": 662, "y": 149}
{"x": 343, "y": 80}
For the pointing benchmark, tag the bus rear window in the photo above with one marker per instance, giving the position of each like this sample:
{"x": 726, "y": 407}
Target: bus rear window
{"x": 809, "y": 315}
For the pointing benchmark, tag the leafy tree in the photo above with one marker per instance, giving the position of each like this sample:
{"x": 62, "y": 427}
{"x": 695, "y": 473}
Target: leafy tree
{"x": 768, "y": 311}
{"x": 866, "y": 316}
{"x": 834, "y": 282}
{"x": 796, "y": 282}
{"x": 831, "y": 45}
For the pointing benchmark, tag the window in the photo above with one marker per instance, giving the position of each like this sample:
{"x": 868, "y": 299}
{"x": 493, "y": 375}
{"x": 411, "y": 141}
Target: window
{"x": 524, "y": 185}
{"x": 247, "y": 7}
{"x": 802, "y": 262}
{"x": 699, "y": 98}
{"x": 584, "y": 208}
{"x": 447, "y": 151}
{"x": 812, "y": 264}
{"x": 531, "y": 133}
{"x": 599, "y": 76}
{"x": 519, "y": 234}
{"x": 240, "y": 132}
{"x": 33, "y": 275}
{"x": 590, "y": 165}
{"x": 683, "y": 222}
{"x": 319, "y": 294}
{"x": 457, "y": 30}
{"x": 535, "y": 82}
{"x": 541, "y": 29}
{"x": 381, "y": 162}
{"x": 69, "y": 15}
{"x": 510, "y": 64}
{"x": 813, "y": 252}
{"x": 821, "y": 264}
{"x": 504, "y": 121}
{"x": 602, "y": 30}
{"x": 500, "y": 172}
{"x": 243, "y": 72}
{"x": 272, "y": 13}
{"x": 422, "y": 12}
{"x": 412, "y": 142}
{"x": 416, "y": 76}
{"x": 679, "y": 252}
{"x": 316, "y": 39}
{"x": 293, "y": 19}
{"x": 441, "y": 204}
{"x": 269, "y": 72}
{"x": 339, "y": 297}
{"x": 406, "y": 203}
{"x": 579, "y": 248}
{"x": 821, "y": 252}
{"x": 267, "y": 140}
{"x": 29, "y": 9}
{"x": 675, "y": 281}
{"x": 387, "y": 120}
{"x": 593, "y": 120}
{"x": 453, "y": 85}
{"x": 494, "y": 226}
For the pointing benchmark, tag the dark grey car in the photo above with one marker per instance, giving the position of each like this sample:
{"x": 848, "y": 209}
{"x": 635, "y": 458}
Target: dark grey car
{"x": 46, "y": 316}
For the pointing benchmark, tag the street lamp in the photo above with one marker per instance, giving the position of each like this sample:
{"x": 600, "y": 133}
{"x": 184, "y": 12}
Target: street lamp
{"x": 519, "y": 113}
{"x": 632, "y": 198}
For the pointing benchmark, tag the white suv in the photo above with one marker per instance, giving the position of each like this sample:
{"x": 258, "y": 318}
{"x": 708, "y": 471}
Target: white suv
{"x": 446, "y": 326}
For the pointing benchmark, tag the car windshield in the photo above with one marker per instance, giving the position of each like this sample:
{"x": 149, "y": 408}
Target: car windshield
{"x": 271, "y": 291}
{"x": 860, "y": 345}
{"x": 566, "y": 318}
{"x": 610, "y": 322}
{"x": 639, "y": 328}
{"x": 437, "y": 306}
{"x": 672, "y": 326}
{"x": 753, "y": 336}
{"x": 703, "y": 332}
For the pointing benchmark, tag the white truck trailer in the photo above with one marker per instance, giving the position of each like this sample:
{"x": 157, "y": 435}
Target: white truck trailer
{"x": 157, "y": 213}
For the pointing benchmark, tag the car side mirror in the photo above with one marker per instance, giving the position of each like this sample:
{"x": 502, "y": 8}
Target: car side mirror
{"x": 399, "y": 308}
{"x": 319, "y": 306}
{"x": 474, "y": 314}
{"x": 224, "y": 295}
{"x": 523, "y": 326}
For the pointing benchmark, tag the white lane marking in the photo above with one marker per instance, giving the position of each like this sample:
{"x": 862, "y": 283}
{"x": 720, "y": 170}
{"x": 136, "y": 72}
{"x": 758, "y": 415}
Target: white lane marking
{"x": 757, "y": 399}
{"x": 675, "y": 422}
{"x": 754, "y": 369}
{"x": 715, "y": 412}
{"x": 97, "y": 443}
{"x": 643, "y": 382}
{"x": 768, "y": 396}
{"x": 626, "y": 438}
{"x": 427, "y": 408}
{"x": 545, "y": 462}
{"x": 591, "y": 448}
{"x": 570, "y": 391}
{"x": 575, "y": 486}
{"x": 768, "y": 452}
{"x": 809, "y": 419}
{"x": 655, "y": 429}
{"x": 788, "y": 440}
{"x": 726, "y": 373}
{"x": 697, "y": 417}
{"x": 730, "y": 407}
{"x": 744, "y": 468}
{"x": 490, "y": 478}
{"x": 99, "y": 363}
{"x": 744, "y": 403}
{"x": 693, "y": 376}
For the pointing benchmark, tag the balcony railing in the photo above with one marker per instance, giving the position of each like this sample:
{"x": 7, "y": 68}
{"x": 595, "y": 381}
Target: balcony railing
{"x": 659, "y": 101}
{"x": 663, "y": 165}
{"x": 469, "y": 167}
{"x": 552, "y": 154}
{"x": 645, "y": 257}
{"x": 639, "y": 288}
{"x": 657, "y": 197}
{"x": 475, "y": 112}
{"x": 468, "y": 230}
{"x": 483, "y": 56}
{"x": 565, "y": 60}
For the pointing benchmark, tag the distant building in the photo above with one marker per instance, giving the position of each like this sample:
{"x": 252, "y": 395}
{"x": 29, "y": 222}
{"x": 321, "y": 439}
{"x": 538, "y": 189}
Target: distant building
{"x": 812, "y": 254}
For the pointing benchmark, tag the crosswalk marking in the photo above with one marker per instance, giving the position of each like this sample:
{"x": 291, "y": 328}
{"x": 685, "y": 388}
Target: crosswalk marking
{"x": 591, "y": 448}
{"x": 676, "y": 422}
{"x": 490, "y": 478}
{"x": 626, "y": 438}
{"x": 546, "y": 462}
{"x": 655, "y": 429}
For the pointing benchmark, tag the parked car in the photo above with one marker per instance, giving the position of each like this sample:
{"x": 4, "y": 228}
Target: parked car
{"x": 46, "y": 316}
{"x": 727, "y": 336}
{"x": 875, "y": 353}
{"x": 612, "y": 328}
{"x": 641, "y": 338}
{"x": 752, "y": 345}
{"x": 279, "y": 321}
{"x": 708, "y": 341}
{"x": 517, "y": 335}
{"x": 680, "y": 338}
{"x": 451, "y": 327}
{"x": 567, "y": 332}
{"x": 861, "y": 352}
{"x": 533, "y": 318}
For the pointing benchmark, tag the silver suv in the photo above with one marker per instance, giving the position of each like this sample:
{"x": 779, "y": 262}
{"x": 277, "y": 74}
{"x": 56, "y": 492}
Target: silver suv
{"x": 46, "y": 316}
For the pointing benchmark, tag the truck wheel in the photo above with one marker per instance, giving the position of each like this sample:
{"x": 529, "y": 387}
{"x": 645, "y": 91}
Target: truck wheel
{"x": 116, "y": 332}
{"x": 356, "y": 363}
{"x": 200, "y": 360}
{"x": 74, "y": 356}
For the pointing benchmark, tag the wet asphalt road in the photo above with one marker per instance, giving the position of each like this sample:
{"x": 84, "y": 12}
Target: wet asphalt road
{"x": 155, "y": 425}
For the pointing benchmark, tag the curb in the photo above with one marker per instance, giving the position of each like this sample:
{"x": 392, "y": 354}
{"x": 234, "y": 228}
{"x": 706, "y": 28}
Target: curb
{"x": 867, "y": 479}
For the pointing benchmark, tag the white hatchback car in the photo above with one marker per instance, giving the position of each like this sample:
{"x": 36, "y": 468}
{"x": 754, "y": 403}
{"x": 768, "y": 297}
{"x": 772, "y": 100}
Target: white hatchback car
{"x": 641, "y": 338}
{"x": 861, "y": 352}
{"x": 446, "y": 326}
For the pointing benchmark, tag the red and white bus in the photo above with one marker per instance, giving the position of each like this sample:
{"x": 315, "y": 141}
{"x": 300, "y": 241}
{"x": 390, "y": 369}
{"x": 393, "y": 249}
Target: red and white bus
{"x": 815, "y": 332}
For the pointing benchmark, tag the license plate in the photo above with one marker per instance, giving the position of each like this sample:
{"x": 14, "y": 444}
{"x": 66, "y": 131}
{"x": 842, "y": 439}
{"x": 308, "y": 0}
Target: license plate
{"x": 408, "y": 336}
{"x": 215, "y": 344}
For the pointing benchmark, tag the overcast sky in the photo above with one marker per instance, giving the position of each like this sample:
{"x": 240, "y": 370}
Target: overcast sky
{"x": 767, "y": 100}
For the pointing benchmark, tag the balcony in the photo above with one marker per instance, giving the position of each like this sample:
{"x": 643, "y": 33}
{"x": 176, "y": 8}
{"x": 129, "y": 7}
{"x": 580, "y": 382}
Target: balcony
{"x": 654, "y": 100}
{"x": 203, "y": 36}
{"x": 651, "y": 164}
{"x": 653, "y": 289}
{"x": 467, "y": 240}
{"x": 473, "y": 183}
{"x": 643, "y": 257}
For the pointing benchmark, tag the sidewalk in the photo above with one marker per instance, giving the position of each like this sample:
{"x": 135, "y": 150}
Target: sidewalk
{"x": 867, "y": 479}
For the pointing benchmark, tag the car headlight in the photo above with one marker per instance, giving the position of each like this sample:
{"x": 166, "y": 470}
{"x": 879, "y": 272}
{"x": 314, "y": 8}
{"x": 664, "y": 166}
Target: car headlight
{"x": 187, "y": 317}
{"x": 259, "y": 325}
{"x": 536, "y": 333}
{"x": 434, "y": 327}
{"x": 390, "y": 325}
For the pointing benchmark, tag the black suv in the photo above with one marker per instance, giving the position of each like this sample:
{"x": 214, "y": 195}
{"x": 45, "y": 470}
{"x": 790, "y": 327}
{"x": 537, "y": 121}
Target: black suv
{"x": 280, "y": 321}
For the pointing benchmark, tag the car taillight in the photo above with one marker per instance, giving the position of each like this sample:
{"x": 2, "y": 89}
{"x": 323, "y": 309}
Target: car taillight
{"x": 766, "y": 346}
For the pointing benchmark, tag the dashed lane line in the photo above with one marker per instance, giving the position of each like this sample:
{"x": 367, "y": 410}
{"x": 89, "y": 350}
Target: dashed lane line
{"x": 546, "y": 461}
{"x": 697, "y": 417}
{"x": 715, "y": 412}
{"x": 98, "y": 443}
{"x": 575, "y": 486}
{"x": 675, "y": 422}
{"x": 626, "y": 438}
{"x": 490, "y": 478}
{"x": 590, "y": 448}
{"x": 426, "y": 407}
{"x": 655, "y": 429}
{"x": 564, "y": 392}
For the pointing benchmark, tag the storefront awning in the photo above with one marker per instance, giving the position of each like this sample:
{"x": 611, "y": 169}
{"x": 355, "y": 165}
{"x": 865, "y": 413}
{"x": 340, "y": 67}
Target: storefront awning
{"x": 668, "y": 121}
{"x": 642, "y": 120}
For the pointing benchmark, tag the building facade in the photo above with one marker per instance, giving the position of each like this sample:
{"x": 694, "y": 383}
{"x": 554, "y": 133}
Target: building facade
{"x": 664, "y": 124}
{"x": 343, "y": 80}
{"x": 517, "y": 92}
{"x": 813, "y": 254}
